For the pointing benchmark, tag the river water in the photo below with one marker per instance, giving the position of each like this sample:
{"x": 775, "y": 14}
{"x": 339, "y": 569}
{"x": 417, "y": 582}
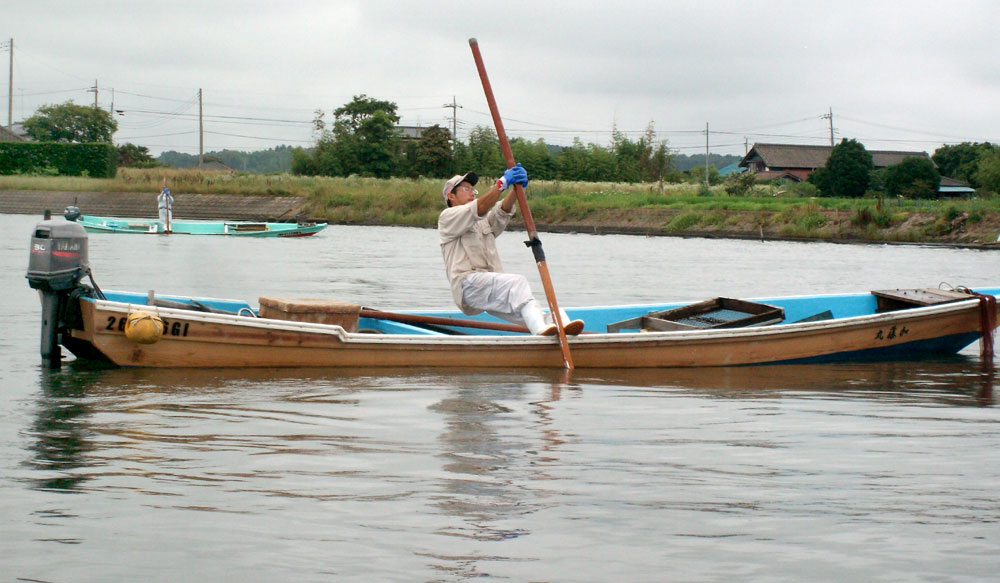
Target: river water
{"x": 847, "y": 472}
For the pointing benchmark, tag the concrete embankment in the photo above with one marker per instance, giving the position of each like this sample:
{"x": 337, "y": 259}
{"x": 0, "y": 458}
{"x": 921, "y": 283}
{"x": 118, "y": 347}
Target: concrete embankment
{"x": 143, "y": 205}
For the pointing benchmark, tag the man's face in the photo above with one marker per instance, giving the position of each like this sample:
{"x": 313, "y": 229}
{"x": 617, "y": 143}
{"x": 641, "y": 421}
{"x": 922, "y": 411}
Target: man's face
{"x": 462, "y": 194}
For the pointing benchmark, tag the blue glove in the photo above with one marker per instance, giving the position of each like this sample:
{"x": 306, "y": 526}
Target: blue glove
{"x": 513, "y": 175}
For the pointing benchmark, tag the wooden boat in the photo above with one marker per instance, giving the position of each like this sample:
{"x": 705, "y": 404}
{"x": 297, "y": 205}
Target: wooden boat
{"x": 133, "y": 329}
{"x": 94, "y": 224}
{"x": 219, "y": 333}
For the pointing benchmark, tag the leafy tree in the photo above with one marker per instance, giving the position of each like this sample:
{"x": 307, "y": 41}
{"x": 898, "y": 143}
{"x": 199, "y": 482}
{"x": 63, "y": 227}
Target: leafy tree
{"x": 364, "y": 141}
{"x": 820, "y": 178}
{"x": 914, "y": 177}
{"x": 432, "y": 155}
{"x": 133, "y": 156}
{"x": 351, "y": 117}
{"x": 656, "y": 160}
{"x": 304, "y": 163}
{"x": 70, "y": 123}
{"x": 591, "y": 163}
{"x": 740, "y": 184}
{"x": 697, "y": 175}
{"x": 277, "y": 159}
{"x": 603, "y": 165}
{"x": 462, "y": 158}
{"x": 536, "y": 157}
{"x": 961, "y": 161}
{"x": 319, "y": 125}
{"x": 484, "y": 157}
{"x": 685, "y": 162}
{"x": 628, "y": 156}
{"x": 331, "y": 158}
{"x": 847, "y": 172}
{"x": 988, "y": 172}
{"x": 377, "y": 143}
{"x": 572, "y": 161}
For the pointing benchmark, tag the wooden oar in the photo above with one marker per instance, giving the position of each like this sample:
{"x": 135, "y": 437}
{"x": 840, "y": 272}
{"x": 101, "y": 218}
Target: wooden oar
{"x": 522, "y": 202}
{"x": 436, "y": 320}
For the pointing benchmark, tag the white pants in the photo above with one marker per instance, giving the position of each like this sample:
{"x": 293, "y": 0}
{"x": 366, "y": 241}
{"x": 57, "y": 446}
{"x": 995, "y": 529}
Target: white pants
{"x": 506, "y": 296}
{"x": 164, "y": 214}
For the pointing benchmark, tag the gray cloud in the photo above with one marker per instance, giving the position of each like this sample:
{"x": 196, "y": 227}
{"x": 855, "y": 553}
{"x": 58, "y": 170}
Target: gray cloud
{"x": 906, "y": 75}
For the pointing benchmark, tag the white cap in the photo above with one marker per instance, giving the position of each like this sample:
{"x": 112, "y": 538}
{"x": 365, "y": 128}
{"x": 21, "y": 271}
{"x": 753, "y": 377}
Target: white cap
{"x": 470, "y": 177}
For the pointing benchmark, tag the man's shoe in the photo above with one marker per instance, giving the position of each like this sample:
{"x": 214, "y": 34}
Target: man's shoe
{"x": 574, "y": 327}
{"x": 571, "y": 329}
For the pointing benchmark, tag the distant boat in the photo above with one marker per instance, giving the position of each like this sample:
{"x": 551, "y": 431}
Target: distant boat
{"x": 235, "y": 228}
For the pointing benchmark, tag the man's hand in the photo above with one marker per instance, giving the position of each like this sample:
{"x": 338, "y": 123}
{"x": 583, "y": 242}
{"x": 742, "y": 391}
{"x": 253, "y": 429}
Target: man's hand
{"x": 513, "y": 175}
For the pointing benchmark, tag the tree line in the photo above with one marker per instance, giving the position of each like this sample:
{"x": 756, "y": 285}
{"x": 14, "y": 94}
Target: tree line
{"x": 362, "y": 139}
{"x": 849, "y": 171}
{"x": 277, "y": 159}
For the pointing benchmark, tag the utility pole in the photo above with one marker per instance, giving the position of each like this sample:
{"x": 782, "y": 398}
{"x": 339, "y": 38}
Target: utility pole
{"x": 94, "y": 91}
{"x": 10, "y": 87}
{"x": 201, "y": 133}
{"x": 706, "y": 154}
{"x": 829, "y": 116}
{"x": 454, "y": 118}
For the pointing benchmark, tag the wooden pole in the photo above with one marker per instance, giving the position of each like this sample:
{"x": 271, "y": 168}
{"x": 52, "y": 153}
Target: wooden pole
{"x": 441, "y": 321}
{"x": 522, "y": 202}
{"x": 10, "y": 88}
{"x": 201, "y": 133}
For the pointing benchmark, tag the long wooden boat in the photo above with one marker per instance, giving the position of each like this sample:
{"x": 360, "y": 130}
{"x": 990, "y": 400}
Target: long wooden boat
{"x": 94, "y": 224}
{"x": 133, "y": 329}
{"x": 226, "y": 333}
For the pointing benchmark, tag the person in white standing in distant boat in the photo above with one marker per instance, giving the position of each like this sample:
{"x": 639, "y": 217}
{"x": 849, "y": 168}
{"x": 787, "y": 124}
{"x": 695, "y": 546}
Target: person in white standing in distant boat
{"x": 165, "y": 204}
{"x": 468, "y": 229}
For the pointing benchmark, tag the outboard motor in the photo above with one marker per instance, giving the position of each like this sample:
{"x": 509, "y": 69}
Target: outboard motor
{"x": 57, "y": 263}
{"x": 72, "y": 213}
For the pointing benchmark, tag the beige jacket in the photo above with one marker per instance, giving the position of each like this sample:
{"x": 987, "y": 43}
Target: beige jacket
{"x": 468, "y": 244}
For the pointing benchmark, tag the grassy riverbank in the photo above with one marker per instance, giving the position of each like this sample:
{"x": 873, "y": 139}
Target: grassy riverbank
{"x": 675, "y": 209}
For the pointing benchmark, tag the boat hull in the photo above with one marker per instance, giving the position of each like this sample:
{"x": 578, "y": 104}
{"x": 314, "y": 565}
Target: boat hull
{"x": 94, "y": 224}
{"x": 199, "y": 339}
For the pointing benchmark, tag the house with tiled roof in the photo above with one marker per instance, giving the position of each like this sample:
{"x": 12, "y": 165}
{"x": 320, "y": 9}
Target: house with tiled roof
{"x": 795, "y": 162}
{"x": 7, "y": 135}
{"x": 952, "y": 187}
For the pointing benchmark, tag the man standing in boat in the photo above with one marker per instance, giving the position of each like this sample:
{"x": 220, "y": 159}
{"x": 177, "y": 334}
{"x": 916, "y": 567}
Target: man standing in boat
{"x": 468, "y": 230}
{"x": 165, "y": 203}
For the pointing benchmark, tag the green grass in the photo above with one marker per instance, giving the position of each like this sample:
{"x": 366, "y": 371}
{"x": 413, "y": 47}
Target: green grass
{"x": 417, "y": 202}
{"x": 684, "y": 222}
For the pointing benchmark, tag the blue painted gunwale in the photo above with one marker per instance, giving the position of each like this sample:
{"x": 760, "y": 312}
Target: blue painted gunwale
{"x": 94, "y": 224}
{"x": 598, "y": 317}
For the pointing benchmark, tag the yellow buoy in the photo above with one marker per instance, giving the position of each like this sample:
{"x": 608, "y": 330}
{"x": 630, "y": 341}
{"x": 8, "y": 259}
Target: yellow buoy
{"x": 143, "y": 327}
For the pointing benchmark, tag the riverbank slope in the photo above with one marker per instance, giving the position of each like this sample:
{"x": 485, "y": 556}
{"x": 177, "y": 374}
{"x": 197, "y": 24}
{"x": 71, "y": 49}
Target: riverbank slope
{"x": 767, "y": 211}
{"x": 804, "y": 222}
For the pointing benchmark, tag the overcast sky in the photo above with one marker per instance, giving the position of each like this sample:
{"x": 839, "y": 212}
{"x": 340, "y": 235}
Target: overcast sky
{"x": 907, "y": 75}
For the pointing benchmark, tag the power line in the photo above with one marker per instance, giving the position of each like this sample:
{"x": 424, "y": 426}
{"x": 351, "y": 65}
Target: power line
{"x": 899, "y": 129}
{"x": 260, "y": 137}
{"x": 121, "y": 138}
{"x": 76, "y": 90}
{"x": 222, "y": 117}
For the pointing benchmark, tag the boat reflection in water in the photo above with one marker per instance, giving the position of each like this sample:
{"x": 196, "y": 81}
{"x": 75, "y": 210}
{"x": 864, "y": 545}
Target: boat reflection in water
{"x": 488, "y": 467}
{"x": 469, "y": 401}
